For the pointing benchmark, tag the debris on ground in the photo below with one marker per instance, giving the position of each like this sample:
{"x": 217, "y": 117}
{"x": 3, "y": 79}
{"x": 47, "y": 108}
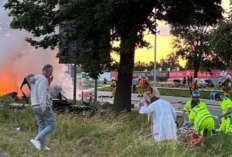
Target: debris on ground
{"x": 16, "y": 128}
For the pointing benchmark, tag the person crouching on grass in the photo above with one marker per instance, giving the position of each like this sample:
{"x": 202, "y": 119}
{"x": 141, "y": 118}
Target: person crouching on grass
{"x": 163, "y": 119}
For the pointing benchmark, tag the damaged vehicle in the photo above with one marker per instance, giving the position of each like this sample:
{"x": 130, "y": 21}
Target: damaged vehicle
{"x": 59, "y": 102}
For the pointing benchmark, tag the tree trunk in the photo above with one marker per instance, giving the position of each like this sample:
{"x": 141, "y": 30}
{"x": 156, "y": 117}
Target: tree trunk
{"x": 122, "y": 99}
{"x": 196, "y": 68}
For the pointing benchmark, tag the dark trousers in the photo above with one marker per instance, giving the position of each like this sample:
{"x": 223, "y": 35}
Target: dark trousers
{"x": 134, "y": 88}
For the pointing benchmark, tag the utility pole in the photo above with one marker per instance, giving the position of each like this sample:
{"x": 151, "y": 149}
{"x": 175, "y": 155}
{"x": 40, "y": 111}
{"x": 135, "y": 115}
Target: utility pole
{"x": 154, "y": 71}
{"x": 75, "y": 84}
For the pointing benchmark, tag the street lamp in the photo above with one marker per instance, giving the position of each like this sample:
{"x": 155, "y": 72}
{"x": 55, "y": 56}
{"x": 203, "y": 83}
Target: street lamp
{"x": 154, "y": 74}
{"x": 154, "y": 71}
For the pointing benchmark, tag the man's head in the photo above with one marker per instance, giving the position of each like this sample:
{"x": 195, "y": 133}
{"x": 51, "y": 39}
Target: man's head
{"x": 215, "y": 95}
{"x": 153, "y": 99}
{"x": 196, "y": 96}
{"x": 47, "y": 70}
{"x": 147, "y": 88}
{"x": 193, "y": 103}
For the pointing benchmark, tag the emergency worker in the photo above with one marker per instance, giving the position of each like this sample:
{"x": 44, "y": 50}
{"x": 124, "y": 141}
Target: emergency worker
{"x": 226, "y": 107}
{"x": 202, "y": 119}
{"x": 113, "y": 85}
{"x": 195, "y": 86}
{"x": 187, "y": 107}
{"x": 226, "y": 86}
{"x": 140, "y": 87}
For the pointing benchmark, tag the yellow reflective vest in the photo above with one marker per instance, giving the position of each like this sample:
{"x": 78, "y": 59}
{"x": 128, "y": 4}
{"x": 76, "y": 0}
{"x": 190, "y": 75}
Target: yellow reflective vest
{"x": 198, "y": 114}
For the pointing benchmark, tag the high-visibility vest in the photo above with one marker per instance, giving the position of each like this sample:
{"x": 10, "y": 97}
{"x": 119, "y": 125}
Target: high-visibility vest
{"x": 140, "y": 83}
{"x": 113, "y": 84}
{"x": 194, "y": 85}
{"x": 187, "y": 106}
{"x": 225, "y": 104}
{"x": 200, "y": 113}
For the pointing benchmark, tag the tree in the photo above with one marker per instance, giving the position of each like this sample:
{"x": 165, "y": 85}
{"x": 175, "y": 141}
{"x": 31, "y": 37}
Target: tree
{"x": 140, "y": 67}
{"x": 193, "y": 44}
{"x": 91, "y": 20}
{"x": 222, "y": 41}
{"x": 171, "y": 61}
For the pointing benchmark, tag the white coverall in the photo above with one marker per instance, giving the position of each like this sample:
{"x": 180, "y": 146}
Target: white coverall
{"x": 163, "y": 116}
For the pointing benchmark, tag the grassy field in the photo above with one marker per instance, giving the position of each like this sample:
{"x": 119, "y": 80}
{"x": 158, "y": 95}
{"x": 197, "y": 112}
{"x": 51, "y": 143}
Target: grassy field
{"x": 104, "y": 135}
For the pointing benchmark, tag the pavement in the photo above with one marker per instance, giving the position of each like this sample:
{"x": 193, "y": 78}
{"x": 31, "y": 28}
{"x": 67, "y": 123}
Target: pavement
{"x": 177, "y": 102}
{"x": 2, "y": 153}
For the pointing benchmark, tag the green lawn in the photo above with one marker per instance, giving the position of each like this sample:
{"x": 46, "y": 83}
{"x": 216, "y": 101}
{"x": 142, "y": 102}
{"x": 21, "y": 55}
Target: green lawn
{"x": 103, "y": 135}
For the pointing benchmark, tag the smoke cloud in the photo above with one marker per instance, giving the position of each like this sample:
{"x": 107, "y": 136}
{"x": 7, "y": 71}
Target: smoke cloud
{"x": 18, "y": 59}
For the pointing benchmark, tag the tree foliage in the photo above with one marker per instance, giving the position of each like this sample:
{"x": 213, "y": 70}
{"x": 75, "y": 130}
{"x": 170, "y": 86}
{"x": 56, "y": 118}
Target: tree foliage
{"x": 193, "y": 43}
{"x": 171, "y": 61}
{"x": 94, "y": 25}
{"x": 141, "y": 66}
{"x": 222, "y": 41}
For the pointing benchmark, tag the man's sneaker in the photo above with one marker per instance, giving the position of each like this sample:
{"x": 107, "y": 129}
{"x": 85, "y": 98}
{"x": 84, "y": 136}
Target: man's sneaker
{"x": 36, "y": 144}
{"x": 45, "y": 148}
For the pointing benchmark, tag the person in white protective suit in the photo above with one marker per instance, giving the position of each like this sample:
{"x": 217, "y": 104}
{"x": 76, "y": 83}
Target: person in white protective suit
{"x": 163, "y": 119}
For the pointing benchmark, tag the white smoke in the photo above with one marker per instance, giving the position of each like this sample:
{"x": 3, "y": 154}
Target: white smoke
{"x": 18, "y": 59}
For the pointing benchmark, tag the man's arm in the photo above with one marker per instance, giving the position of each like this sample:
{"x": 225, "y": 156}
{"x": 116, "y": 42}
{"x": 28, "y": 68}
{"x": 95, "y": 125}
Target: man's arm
{"x": 145, "y": 99}
{"x": 147, "y": 110}
{"x": 228, "y": 112}
{"x": 50, "y": 80}
{"x": 186, "y": 108}
{"x": 184, "y": 114}
{"x": 191, "y": 117}
{"x": 42, "y": 93}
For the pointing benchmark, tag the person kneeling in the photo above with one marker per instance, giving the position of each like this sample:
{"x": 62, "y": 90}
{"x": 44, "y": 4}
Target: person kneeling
{"x": 201, "y": 118}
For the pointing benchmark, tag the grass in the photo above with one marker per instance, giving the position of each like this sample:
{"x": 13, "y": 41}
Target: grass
{"x": 104, "y": 135}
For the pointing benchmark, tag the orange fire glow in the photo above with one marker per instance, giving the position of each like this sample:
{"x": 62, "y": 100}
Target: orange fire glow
{"x": 7, "y": 82}
{"x": 7, "y": 34}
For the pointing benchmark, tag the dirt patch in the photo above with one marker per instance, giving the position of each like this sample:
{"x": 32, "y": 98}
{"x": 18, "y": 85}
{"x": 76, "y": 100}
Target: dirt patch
{"x": 2, "y": 153}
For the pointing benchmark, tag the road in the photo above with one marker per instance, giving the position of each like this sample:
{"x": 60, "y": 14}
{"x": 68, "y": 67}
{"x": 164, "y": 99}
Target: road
{"x": 213, "y": 106}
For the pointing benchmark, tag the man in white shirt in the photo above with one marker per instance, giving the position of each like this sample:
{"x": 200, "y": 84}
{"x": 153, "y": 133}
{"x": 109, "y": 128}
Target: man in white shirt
{"x": 163, "y": 119}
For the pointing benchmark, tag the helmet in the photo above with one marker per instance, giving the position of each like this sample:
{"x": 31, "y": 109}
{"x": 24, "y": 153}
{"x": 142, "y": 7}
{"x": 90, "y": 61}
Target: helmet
{"x": 195, "y": 94}
{"x": 112, "y": 78}
{"x": 214, "y": 95}
{"x": 195, "y": 79}
{"x": 228, "y": 77}
{"x": 139, "y": 77}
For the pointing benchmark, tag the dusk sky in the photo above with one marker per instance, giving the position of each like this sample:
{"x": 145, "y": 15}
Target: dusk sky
{"x": 164, "y": 43}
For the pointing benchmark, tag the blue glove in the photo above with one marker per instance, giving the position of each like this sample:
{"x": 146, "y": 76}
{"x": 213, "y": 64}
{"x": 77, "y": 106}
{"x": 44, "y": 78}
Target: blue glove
{"x": 185, "y": 122}
{"x": 141, "y": 104}
{"x": 220, "y": 116}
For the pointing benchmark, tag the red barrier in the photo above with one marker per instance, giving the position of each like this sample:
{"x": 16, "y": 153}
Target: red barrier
{"x": 201, "y": 74}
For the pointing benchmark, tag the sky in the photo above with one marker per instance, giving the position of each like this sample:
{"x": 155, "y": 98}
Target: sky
{"x": 163, "y": 42}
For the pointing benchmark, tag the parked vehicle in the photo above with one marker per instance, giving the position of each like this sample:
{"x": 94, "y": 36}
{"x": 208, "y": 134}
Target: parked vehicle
{"x": 205, "y": 83}
{"x": 172, "y": 83}
{"x": 209, "y": 83}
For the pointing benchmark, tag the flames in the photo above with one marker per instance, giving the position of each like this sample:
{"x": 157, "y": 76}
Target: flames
{"x": 8, "y": 83}
{"x": 19, "y": 59}
{"x": 7, "y": 34}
